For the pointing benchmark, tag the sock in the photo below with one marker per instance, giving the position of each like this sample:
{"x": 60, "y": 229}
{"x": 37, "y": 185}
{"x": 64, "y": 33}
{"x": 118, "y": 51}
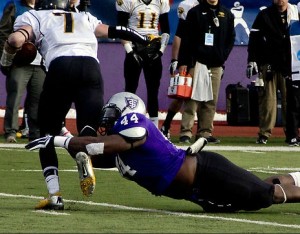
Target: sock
{"x": 154, "y": 120}
{"x": 169, "y": 118}
{"x": 51, "y": 179}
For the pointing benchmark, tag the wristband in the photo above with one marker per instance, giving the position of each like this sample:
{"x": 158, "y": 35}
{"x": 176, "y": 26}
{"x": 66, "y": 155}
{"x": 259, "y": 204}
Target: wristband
{"x": 164, "y": 42}
{"x": 61, "y": 141}
{"x": 128, "y": 47}
{"x": 95, "y": 148}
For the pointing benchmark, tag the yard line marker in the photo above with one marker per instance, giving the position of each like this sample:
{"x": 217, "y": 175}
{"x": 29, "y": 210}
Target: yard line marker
{"x": 51, "y": 212}
{"x": 208, "y": 147}
{"x": 181, "y": 214}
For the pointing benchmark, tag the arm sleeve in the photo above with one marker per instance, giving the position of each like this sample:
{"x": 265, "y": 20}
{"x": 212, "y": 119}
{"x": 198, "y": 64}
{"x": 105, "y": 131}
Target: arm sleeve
{"x": 230, "y": 37}
{"x": 164, "y": 23}
{"x": 180, "y": 28}
{"x": 256, "y": 41}
{"x": 128, "y": 34}
{"x": 185, "y": 50}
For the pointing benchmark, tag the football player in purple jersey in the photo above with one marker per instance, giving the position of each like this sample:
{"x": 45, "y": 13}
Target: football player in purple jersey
{"x": 144, "y": 155}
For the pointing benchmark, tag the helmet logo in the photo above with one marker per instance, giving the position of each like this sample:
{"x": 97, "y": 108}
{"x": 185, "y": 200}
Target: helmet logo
{"x": 131, "y": 102}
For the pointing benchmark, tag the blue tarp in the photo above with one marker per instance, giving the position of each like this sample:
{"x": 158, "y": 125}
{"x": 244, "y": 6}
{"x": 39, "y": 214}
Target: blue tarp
{"x": 105, "y": 11}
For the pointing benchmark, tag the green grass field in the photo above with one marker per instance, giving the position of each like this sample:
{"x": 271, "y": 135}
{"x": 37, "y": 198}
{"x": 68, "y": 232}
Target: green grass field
{"x": 121, "y": 206}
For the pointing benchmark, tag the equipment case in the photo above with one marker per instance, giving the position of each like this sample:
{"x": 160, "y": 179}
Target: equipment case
{"x": 237, "y": 104}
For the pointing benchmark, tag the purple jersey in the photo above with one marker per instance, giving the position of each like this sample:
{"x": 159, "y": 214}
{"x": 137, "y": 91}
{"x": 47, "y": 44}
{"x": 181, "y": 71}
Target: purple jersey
{"x": 152, "y": 165}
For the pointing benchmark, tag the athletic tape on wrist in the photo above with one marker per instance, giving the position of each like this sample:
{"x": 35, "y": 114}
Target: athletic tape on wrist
{"x": 62, "y": 141}
{"x": 95, "y": 148}
{"x": 296, "y": 177}
{"x": 164, "y": 41}
{"x": 128, "y": 48}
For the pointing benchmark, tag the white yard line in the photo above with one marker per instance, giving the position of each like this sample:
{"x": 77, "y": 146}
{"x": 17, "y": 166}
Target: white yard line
{"x": 179, "y": 214}
{"x": 208, "y": 147}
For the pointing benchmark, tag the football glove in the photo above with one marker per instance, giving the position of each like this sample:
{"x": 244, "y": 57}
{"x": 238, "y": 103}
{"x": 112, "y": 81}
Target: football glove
{"x": 40, "y": 143}
{"x": 155, "y": 56}
{"x": 152, "y": 37}
{"x": 197, "y": 146}
{"x": 252, "y": 69}
{"x": 138, "y": 59}
{"x": 173, "y": 66}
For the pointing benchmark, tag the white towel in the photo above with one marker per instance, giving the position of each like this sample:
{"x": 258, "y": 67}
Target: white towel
{"x": 202, "y": 88}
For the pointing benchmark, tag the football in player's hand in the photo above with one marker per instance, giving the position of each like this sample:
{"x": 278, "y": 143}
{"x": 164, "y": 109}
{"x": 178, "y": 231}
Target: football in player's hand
{"x": 26, "y": 54}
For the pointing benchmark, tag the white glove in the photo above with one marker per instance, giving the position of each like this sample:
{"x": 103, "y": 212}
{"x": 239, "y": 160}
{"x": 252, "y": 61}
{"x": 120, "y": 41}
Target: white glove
{"x": 173, "y": 66}
{"x": 197, "y": 146}
{"x": 51, "y": 141}
{"x": 252, "y": 69}
{"x": 40, "y": 143}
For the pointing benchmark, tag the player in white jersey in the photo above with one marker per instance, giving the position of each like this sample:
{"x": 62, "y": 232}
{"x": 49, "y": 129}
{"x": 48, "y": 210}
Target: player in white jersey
{"x": 144, "y": 16}
{"x": 68, "y": 43}
{"x": 176, "y": 104}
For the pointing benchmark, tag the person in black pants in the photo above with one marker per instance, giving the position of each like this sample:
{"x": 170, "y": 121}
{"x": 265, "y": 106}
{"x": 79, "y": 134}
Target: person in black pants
{"x": 68, "y": 42}
{"x": 269, "y": 55}
{"x": 142, "y": 17}
{"x": 292, "y": 112}
{"x": 293, "y": 88}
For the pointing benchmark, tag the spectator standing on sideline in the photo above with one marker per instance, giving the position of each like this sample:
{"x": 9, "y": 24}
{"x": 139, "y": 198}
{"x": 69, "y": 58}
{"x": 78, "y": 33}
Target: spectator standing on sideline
{"x": 20, "y": 78}
{"x": 146, "y": 157}
{"x": 176, "y": 104}
{"x": 269, "y": 53}
{"x": 145, "y": 16}
{"x": 205, "y": 46}
{"x": 68, "y": 42}
{"x": 293, "y": 88}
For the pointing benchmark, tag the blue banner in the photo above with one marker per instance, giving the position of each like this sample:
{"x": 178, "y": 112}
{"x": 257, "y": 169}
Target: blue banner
{"x": 245, "y": 12}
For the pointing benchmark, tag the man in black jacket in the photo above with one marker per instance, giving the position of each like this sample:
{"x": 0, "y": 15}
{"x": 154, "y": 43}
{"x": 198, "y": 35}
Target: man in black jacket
{"x": 269, "y": 53}
{"x": 205, "y": 47}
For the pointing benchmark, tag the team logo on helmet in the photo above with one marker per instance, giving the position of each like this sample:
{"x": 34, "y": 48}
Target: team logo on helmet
{"x": 120, "y": 2}
{"x": 131, "y": 102}
{"x": 180, "y": 10}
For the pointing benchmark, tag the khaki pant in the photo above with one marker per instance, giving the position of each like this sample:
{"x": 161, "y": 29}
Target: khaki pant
{"x": 267, "y": 101}
{"x": 28, "y": 78}
{"x": 205, "y": 110}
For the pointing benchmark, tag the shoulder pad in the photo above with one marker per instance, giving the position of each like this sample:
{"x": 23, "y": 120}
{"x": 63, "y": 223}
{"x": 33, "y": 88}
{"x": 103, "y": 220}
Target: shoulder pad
{"x": 184, "y": 7}
{"x": 133, "y": 134}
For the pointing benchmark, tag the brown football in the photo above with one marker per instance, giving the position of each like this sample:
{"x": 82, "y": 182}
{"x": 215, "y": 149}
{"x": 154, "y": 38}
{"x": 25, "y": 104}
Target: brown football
{"x": 26, "y": 54}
